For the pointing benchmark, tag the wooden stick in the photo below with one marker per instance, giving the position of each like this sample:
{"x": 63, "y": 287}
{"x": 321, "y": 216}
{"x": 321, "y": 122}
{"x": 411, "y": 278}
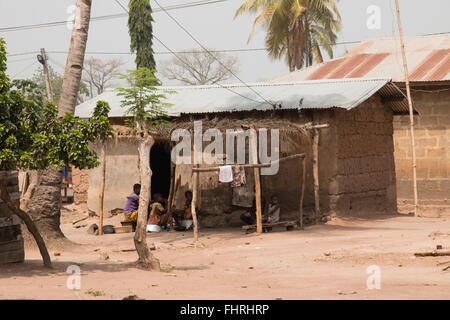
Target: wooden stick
{"x": 432, "y": 254}
{"x": 102, "y": 188}
{"x": 411, "y": 111}
{"x": 177, "y": 184}
{"x": 172, "y": 186}
{"x": 262, "y": 165}
{"x": 302, "y": 192}
{"x": 194, "y": 200}
{"x": 315, "y": 148}
{"x": 253, "y": 142}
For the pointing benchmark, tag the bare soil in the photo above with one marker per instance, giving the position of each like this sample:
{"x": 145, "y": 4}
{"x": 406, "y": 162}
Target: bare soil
{"x": 327, "y": 261}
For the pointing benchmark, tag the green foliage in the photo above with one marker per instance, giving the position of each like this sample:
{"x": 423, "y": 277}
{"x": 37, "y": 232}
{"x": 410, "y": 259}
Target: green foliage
{"x": 141, "y": 33}
{"x": 143, "y": 101}
{"x": 56, "y": 82}
{"x": 299, "y": 30}
{"x": 33, "y": 137}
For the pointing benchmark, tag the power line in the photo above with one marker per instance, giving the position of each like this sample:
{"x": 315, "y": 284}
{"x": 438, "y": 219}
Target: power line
{"x": 220, "y": 62}
{"x": 22, "y": 70}
{"x": 186, "y": 64}
{"x": 107, "y": 17}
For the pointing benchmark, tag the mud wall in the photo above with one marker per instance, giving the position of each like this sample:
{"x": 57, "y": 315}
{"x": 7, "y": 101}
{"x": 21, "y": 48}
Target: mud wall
{"x": 121, "y": 173}
{"x": 80, "y": 183}
{"x": 364, "y": 181}
{"x": 432, "y": 133}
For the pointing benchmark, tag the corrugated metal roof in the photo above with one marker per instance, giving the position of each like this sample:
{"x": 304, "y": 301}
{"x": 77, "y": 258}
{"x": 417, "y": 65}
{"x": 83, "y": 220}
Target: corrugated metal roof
{"x": 428, "y": 60}
{"x": 320, "y": 94}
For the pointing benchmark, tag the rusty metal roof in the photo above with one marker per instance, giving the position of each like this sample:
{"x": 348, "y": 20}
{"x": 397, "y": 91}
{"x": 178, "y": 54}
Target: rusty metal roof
{"x": 428, "y": 60}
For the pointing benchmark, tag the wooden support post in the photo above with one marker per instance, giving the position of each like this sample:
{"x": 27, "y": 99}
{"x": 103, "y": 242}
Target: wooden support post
{"x": 315, "y": 148}
{"x": 172, "y": 186}
{"x": 254, "y": 151}
{"x": 102, "y": 187}
{"x": 302, "y": 192}
{"x": 411, "y": 111}
{"x": 194, "y": 200}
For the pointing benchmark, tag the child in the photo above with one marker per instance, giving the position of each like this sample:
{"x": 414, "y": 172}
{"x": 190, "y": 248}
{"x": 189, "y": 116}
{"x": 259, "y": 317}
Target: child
{"x": 273, "y": 212}
{"x": 131, "y": 206}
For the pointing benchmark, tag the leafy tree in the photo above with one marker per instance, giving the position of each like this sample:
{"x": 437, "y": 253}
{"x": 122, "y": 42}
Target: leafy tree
{"x": 296, "y": 29}
{"x": 141, "y": 33}
{"x": 146, "y": 105}
{"x": 33, "y": 137}
{"x": 56, "y": 82}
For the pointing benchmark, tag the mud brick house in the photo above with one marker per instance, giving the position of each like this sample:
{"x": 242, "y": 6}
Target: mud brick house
{"x": 356, "y": 151}
{"x": 429, "y": 66}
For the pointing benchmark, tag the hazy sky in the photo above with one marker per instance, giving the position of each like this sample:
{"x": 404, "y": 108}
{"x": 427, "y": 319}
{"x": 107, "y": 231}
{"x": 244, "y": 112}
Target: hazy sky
{"x": 212, "y": 25}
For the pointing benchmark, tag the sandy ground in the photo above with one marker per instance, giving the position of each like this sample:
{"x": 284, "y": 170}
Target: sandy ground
{"x": 327, "y": 261}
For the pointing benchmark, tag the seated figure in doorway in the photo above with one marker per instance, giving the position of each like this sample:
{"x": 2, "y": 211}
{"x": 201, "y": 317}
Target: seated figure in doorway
{"x": 273, "y": 211}
{"x": 249, "y": 217}
{"x": 130, "y": 209}
{"x": 183, "y": 217}
{"x": 158, "y": 213}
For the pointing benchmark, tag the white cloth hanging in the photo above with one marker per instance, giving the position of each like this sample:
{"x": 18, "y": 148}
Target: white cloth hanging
{"x": 225, "y": 174}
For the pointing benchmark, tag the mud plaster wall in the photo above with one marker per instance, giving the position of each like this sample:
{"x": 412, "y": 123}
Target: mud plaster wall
{"x": 364, "y": 180}
{"x": 432, "y": 133}
{"x": 121, "y": 173}
{"x": 80, "y": 183}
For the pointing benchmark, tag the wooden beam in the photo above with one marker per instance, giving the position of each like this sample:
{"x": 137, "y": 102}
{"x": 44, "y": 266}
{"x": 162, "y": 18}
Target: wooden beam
{"x": 302, "y": 192}
{"x": 315, "y": 148}
{"x": 259, "y": 165}
{"x": 102, "y": 187}
{"x": 256, "y": 173}
{"x": 194, "y": 200}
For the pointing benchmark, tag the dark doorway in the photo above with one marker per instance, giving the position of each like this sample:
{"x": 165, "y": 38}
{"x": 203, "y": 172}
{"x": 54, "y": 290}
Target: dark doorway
{"x": 160, "y": 165}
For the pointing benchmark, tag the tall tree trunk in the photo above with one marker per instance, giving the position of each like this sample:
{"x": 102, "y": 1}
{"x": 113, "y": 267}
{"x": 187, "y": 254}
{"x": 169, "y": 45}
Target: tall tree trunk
{"x": 75, "y": 58}
{"x": 44, "y": 207}
{"x": 146, "y": 259}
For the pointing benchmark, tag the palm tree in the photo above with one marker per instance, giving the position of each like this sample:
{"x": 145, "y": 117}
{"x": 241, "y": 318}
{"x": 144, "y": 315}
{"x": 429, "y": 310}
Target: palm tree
{"x": 75, "y": 58}
{"x": 44, "y": 203}
{"x": 299, "y": 30}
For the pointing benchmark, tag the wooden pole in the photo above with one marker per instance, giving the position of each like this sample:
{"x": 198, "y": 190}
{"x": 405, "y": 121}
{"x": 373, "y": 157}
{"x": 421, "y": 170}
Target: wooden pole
{"x": 101, "y": 195}
{"x": 411, "y": 112}
{"x": 253, "y": 143}
{"x": 302, "y": 192}
{"x": 315, "y": 148}
{"x": 194, "y": 200}
{"x": 47, "y": 76}
{"x": 259, "y": 165}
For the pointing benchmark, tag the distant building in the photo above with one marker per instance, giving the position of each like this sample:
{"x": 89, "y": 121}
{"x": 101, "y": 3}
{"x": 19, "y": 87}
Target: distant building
{"x": 429, "y": 67}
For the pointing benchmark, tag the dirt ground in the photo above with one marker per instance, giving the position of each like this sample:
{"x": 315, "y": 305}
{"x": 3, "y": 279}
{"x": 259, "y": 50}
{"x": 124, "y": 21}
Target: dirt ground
{"x": 327, "y": 261}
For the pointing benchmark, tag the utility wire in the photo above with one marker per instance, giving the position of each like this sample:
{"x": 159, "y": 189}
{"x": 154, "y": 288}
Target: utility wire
{"x": 187, "y": 65}
{"x": 107, "y": 17}
{"x": 206, "y": 50}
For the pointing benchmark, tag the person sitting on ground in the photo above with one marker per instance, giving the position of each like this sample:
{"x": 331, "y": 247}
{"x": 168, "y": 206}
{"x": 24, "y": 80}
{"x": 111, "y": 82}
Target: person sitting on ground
{"x": 249, "y": 217}
{"x": 130, "y": 209}
{"x": 183, "y": 217}
{"x": 158, "y": 214}
{"x": 273, "y": 212}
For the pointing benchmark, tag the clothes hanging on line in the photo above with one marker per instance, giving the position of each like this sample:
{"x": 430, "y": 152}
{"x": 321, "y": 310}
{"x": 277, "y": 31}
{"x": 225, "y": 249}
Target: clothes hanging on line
{"x": 238, "y": 177}
{"x": 225, "y": 174}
